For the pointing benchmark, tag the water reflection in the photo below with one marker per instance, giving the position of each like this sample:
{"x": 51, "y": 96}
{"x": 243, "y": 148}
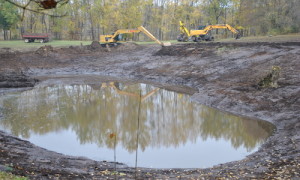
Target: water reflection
{"x": 98, "y": 113}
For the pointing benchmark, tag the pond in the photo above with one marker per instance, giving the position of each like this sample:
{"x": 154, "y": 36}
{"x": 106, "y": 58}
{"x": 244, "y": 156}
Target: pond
{"x": 136, "y": 124}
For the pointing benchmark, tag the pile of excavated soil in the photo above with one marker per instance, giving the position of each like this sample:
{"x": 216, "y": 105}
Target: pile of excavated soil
{"x": 127, "y": 46}
{"x": 93, "y": 47}
{"x": 207, "y": 49}
{"x": 187, "y": 51}
{"x": 45, "y": 50}
{"x": 6, "y": 53}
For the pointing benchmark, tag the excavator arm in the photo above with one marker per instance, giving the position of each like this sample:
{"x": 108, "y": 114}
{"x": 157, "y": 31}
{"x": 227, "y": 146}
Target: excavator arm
{"x": 222, "y": 26}
{"x": 183, "y": 29}
{"x": 147, "y": 33}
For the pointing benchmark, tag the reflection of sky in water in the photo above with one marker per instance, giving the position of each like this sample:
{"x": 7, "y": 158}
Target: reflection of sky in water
{"x": 173, "y": 132}
{"x": 192, "y": 155}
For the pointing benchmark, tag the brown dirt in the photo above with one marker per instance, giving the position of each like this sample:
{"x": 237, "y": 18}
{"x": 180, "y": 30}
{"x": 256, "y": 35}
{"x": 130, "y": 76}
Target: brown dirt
{"x": 225, "y": 74}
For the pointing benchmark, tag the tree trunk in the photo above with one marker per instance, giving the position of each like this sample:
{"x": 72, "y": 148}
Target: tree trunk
{"x": 98, "y": 31}
{"x": 92, "y": 27}
{"x": 90, "y": 16}
{"x": 31, "y": 23}
{"x": 4, "y": 34}
{"x": 45, "y": 29}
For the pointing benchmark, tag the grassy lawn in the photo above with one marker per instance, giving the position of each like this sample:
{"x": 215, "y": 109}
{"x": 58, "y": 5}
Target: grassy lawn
{"x": 9, "y": 176}
{"x": 21, "y": 45}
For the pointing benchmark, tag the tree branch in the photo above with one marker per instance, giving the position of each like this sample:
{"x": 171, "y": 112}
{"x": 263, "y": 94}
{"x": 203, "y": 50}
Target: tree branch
{"x": 32, "y": 10}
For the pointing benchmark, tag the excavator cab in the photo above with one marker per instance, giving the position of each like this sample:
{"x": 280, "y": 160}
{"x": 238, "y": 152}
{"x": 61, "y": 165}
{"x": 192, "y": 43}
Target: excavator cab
{"x": 119, "y": 37}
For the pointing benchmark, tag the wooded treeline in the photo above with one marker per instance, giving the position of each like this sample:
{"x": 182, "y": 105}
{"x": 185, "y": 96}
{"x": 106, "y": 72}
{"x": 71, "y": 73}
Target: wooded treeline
{"x": 87, "y": 19}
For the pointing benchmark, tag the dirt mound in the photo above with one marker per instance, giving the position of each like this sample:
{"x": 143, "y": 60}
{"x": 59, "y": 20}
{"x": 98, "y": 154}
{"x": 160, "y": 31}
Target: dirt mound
{"x": 45, "y": 51}
{"x": 207, "y": 49}
{"x": 5, "y": 50}
{"x": 95, "y": 46}
{"x": 7, "y": 53}
{"x": 186, "y": 50}
{"x": 73, "y": 50}
{"x": 127, "y": 46}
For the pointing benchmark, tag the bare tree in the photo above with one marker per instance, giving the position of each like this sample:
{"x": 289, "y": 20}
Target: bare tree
{"x": 41, "y": 5}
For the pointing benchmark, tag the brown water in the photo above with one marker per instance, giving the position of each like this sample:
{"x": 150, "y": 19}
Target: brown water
{"x": 136, "y": 124}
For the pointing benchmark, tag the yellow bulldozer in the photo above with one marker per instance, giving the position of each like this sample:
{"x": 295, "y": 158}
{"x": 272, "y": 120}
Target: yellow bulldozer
{"x": 203, "y": 32}
{"x": 118, "y": 36}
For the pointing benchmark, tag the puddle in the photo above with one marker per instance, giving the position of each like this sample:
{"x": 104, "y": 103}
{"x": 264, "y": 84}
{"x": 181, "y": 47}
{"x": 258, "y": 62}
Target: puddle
{"x": 136, "y": 124}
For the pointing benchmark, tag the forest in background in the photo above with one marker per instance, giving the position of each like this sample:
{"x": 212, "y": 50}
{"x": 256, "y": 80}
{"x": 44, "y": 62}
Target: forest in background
{"x": 87, "y": 19}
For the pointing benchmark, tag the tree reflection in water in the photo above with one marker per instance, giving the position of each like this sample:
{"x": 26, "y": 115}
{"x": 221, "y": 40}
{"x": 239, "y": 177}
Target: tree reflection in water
{"x": 167, "y": 119}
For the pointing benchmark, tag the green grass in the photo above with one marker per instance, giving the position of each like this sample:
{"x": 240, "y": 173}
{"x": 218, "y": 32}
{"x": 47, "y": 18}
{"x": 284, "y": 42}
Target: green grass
{"x": 21, "y": 45}
{"x": 9, "y": 176}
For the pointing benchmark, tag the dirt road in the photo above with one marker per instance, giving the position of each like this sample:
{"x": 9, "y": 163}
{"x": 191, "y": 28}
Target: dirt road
{"x": 226, "y": 76}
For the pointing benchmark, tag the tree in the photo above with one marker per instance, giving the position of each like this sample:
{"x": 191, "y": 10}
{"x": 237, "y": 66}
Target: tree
{"x": 270, "y": 17}
{"x": 38, "y": 6}
{"x": 215, "y": 9}
{"x": 8, "y": 18}
{"x": 87, "y": 19}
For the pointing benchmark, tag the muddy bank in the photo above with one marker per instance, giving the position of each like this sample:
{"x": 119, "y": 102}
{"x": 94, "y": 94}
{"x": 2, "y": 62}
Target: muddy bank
{"x": 226, "y": 76}
{"x": 16, "y": 80}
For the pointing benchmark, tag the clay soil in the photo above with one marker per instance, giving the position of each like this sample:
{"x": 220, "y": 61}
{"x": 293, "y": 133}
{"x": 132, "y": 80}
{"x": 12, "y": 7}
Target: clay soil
{"x": 223, "y": 75}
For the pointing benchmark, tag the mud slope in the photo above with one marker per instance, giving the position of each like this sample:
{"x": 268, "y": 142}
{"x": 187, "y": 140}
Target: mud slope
{"x": 225, "y": 74}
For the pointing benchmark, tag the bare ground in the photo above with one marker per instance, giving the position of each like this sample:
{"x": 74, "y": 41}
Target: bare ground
{"x": 225, "y": 76}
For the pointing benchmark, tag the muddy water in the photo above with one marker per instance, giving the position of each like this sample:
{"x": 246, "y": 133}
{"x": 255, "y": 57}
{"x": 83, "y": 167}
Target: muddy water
{"x": 136, "y": 124}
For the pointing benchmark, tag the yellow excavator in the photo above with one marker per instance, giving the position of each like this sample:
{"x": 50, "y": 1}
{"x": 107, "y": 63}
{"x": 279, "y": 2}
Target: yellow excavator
{"x": 203, "y": 33}
{"x": 118, "y": 36}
